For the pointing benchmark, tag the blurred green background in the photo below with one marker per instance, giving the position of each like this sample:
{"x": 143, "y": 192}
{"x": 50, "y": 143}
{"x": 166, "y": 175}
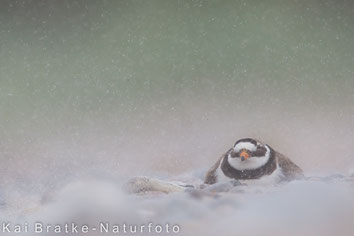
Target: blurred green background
{"x": 169, "y": 85}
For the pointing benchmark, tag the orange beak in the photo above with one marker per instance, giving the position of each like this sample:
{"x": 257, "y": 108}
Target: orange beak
{"x": 244, "y": 155}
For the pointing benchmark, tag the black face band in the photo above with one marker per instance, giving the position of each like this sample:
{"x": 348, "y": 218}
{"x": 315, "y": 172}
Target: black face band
{"x": 260, "y": 152}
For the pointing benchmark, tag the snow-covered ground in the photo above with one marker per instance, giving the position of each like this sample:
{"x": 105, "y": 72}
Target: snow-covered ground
{"x": 316, "y": 206}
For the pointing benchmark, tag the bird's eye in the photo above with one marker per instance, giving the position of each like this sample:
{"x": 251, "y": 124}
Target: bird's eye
{"x": 233, "y": 154}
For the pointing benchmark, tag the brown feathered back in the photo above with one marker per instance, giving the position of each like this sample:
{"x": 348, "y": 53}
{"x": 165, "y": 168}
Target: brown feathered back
{"x": 290, "y": 169}
{"x": 210, "y": 177}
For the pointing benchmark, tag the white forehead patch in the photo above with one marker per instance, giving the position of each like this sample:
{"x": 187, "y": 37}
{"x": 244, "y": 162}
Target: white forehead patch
{"x": 245, "y": 145}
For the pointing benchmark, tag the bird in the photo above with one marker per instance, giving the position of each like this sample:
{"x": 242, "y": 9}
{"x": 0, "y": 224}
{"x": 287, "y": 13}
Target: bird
{"x": 251, "y": 161}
